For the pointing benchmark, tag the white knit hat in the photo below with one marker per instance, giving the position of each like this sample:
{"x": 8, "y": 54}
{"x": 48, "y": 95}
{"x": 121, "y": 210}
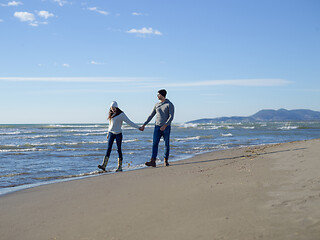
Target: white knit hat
{"x": 114, "y": 104}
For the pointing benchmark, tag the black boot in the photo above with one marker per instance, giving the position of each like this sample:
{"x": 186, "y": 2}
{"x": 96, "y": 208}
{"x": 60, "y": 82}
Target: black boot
{"x": 104, "y": 164}
{"x": 152, "y": 163}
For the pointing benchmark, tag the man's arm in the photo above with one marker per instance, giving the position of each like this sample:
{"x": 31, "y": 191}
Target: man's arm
{"x": 171, "y": 115}
{"x": 153, "y": 113}
{"x": 149, "y": 119}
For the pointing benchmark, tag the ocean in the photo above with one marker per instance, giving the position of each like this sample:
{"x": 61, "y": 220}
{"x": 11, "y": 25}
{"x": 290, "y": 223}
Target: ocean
{"x": 36, "y": 154}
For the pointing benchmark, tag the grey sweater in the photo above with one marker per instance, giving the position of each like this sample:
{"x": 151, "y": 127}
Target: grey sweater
{"x": 164, "y": 112}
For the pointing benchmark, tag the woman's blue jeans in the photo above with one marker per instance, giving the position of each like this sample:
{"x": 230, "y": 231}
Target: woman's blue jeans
{"x": 111, "y": 138}
{"x": 157, "y": 134}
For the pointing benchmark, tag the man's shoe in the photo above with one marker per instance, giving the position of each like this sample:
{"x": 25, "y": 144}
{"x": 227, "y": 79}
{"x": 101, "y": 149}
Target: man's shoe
{"x": 152, "y": 163}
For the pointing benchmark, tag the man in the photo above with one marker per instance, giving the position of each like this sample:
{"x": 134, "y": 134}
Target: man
{"x": 164, "y": 111}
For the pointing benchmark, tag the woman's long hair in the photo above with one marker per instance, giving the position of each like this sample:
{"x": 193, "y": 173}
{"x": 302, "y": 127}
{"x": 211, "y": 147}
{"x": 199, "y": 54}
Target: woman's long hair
{"x": 115, "y": 113}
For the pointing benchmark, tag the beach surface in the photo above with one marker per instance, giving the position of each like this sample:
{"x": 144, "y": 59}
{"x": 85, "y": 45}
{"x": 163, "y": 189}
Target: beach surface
{"x": 260, "y": 192}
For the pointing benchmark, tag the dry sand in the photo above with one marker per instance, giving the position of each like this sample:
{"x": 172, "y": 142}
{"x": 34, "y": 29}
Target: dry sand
{"x": 263, "y": 192}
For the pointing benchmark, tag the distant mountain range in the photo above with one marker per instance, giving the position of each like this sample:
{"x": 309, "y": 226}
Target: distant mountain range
{"x": 268, "y": 115}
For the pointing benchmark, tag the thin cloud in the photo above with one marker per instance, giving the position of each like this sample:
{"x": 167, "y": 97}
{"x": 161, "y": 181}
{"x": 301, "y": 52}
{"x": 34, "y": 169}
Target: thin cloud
{"x": 210, "y": 83}
{"x": 144, "y": 82}
{"x": 86, "y": 90}
{"x": 95, "y": 9}
{"x": 144, "y": 31}
{"x": 34, "y": 24}
{"x": 96, "y": 63}
{"x": 238, "y": 82}
{"x": 45, "y": 14}
{"x": 1, "y": 20}
{"x": 60, "y": 2}
{"x": 11, "y": 4}
{"x": 310, "y": 90}
{"x": 31, "y": 19}
{"x": 79, "y": 79}
{"x": 137, "y": 14}
{"x": 25, "y": 16}
{"x": 66, "y": 65}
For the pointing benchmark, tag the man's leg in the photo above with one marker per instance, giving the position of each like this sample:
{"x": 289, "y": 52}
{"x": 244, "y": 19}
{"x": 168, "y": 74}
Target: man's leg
{"x": 156, "y": 139}
{"x": 166, "y": 136}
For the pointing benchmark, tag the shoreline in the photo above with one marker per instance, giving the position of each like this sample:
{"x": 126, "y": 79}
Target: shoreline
{"x": 258, "y": 192}
{"x": 10, "y": 190}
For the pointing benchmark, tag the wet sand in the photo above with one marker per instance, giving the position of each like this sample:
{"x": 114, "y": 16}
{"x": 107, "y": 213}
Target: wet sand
{"x": 262, "y": 192}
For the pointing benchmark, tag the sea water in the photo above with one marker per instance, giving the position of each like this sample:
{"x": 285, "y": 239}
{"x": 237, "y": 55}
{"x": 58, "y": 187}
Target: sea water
{"x": 31, "y": 155}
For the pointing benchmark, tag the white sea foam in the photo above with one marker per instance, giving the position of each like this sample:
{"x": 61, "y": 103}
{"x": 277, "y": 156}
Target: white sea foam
{"x": 131, "y": 140}
{"x": 86, "y": 130}
{"x": 89, "y": 134}
{"x": 11, "y": 133}
{"x": 226, "y": 135}
{"x": 41, "y": 136}
{"x": 288, "y": 128}
{"x": 127, "y": 127}
{"x": 74, "y": 126}
{"x": 34, "y": 146}
{"x": 22, "y": 150}
{"x": 188, "y": 125}
{"x": 187, "y": 139}
{"x": 211, "y": 127}
{"x": 13, "y": 175}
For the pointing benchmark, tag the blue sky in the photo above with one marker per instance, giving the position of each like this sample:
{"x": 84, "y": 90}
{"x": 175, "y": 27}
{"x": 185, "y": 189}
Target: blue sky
{"x": 64, "y": 61}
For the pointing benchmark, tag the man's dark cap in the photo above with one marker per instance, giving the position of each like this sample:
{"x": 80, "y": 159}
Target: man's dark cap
{"x": 163, "y": 92}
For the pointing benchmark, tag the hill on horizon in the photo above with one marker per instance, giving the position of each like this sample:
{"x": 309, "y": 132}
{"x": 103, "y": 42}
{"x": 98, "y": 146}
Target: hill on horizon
{"x": 268, "y": 115}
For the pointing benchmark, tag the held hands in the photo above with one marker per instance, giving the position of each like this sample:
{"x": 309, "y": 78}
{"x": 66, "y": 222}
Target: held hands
{"x": 161, "y": 129}
{"x": 141, "y": 128}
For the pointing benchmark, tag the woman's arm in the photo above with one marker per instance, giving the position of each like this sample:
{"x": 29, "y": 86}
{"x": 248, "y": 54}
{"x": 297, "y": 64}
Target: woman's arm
{"x": 128, "y": 121}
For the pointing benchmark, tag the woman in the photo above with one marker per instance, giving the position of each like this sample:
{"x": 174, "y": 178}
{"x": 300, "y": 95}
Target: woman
{"x": 116, "y": 118}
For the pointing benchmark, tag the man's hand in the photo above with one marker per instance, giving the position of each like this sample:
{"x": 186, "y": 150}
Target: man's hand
{"x": 163, "y": 127}
{"x": 141, "y": 128}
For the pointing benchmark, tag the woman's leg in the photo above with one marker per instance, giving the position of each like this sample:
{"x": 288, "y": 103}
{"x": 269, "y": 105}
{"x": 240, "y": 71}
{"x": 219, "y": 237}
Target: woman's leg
{"x": 110, "y": 143}
{"x": 106, "y": 157}
{"x": 119, "y": 143}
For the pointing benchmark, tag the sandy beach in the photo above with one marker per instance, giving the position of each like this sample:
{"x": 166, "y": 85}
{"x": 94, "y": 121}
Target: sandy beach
{"x": 261, "y": 192}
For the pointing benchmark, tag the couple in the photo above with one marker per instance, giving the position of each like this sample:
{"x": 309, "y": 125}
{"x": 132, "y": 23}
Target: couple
{"x": 164, "y": 111}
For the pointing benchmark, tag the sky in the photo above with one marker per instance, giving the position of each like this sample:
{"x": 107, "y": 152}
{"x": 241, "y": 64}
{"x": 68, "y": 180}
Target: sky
{"x": 65, "y": 61}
